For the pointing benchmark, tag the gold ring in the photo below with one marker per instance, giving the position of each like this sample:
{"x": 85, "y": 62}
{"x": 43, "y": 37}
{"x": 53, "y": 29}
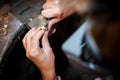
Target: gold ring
{"x": 43, "y": 28}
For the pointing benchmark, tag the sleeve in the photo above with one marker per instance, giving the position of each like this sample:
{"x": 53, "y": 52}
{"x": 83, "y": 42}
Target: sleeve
{"x": 58, "y": 78}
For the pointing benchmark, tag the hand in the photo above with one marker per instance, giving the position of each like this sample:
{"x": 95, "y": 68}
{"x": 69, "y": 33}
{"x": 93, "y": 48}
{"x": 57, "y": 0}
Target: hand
{"x": 42, "y": 57}
{"x": 58, "y": 10}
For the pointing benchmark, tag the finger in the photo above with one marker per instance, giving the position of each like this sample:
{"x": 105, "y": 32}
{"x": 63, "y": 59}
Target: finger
{"x": 34, "y": 37}
{"x": 29, "y": 32}
{"x": 25, "y": 37}
{"x": 52, "y": 31}
{"x": 28, "y": 39}
{"x": 52, "y": 22}
{"x": 32, "y": 42}
{"x": 38, "y": 36}
{"x": 50, "y": 13}
{"x": 45, "y": 42}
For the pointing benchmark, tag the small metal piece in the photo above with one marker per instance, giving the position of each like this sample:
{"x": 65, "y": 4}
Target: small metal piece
{"x": 43, "y": 28}
{"x": 39, "y": 21}
{"x": 3, "y": 31}
{"x": 5, "y": 26}
{"x": 30, "y": 19}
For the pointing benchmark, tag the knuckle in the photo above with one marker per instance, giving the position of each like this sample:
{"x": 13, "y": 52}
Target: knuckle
{"x": 33, "y": 53}
{"x": 30, "y": 55}
{"x": 29, "y": 37}
{"x": 49, "y": 50}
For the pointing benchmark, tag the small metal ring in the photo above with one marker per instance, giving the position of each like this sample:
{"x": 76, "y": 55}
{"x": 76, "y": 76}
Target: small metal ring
{"x": 43, "y": 28}
{"x": 3, "y": 31}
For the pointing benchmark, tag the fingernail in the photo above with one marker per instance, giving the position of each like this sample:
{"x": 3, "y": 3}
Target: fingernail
{"x": 54, "y": 30}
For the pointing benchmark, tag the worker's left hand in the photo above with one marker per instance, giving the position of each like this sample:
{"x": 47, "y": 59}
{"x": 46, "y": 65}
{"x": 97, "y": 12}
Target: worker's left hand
{"x": 58, "y": 10}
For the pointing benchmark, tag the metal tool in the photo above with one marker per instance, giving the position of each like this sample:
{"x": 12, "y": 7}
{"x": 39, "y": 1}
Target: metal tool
{"x": 37, "y": 22}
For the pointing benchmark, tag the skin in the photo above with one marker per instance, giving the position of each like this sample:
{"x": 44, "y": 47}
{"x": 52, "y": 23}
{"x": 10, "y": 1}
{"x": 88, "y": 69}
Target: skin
{"x": 60, "y": 9}
{"x": 43, "y": 57}
{"x": 56, "y": 9}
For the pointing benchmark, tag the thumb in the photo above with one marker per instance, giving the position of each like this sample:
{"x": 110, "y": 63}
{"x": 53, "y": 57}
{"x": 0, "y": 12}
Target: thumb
{"x": 50, "y": 13}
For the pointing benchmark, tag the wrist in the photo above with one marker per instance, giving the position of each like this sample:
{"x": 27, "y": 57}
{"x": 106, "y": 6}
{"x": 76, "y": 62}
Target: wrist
{"x": 49, "y": 75}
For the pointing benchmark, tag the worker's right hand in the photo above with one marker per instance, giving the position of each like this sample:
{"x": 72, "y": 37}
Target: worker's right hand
{"x": 42, "y": 56}
{"x": 57, "y": 10}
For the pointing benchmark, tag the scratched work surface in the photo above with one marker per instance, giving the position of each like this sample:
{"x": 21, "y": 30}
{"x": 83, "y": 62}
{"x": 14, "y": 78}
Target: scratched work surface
{"x": 9, "y": 26}
{"x": 27, "y": 9}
